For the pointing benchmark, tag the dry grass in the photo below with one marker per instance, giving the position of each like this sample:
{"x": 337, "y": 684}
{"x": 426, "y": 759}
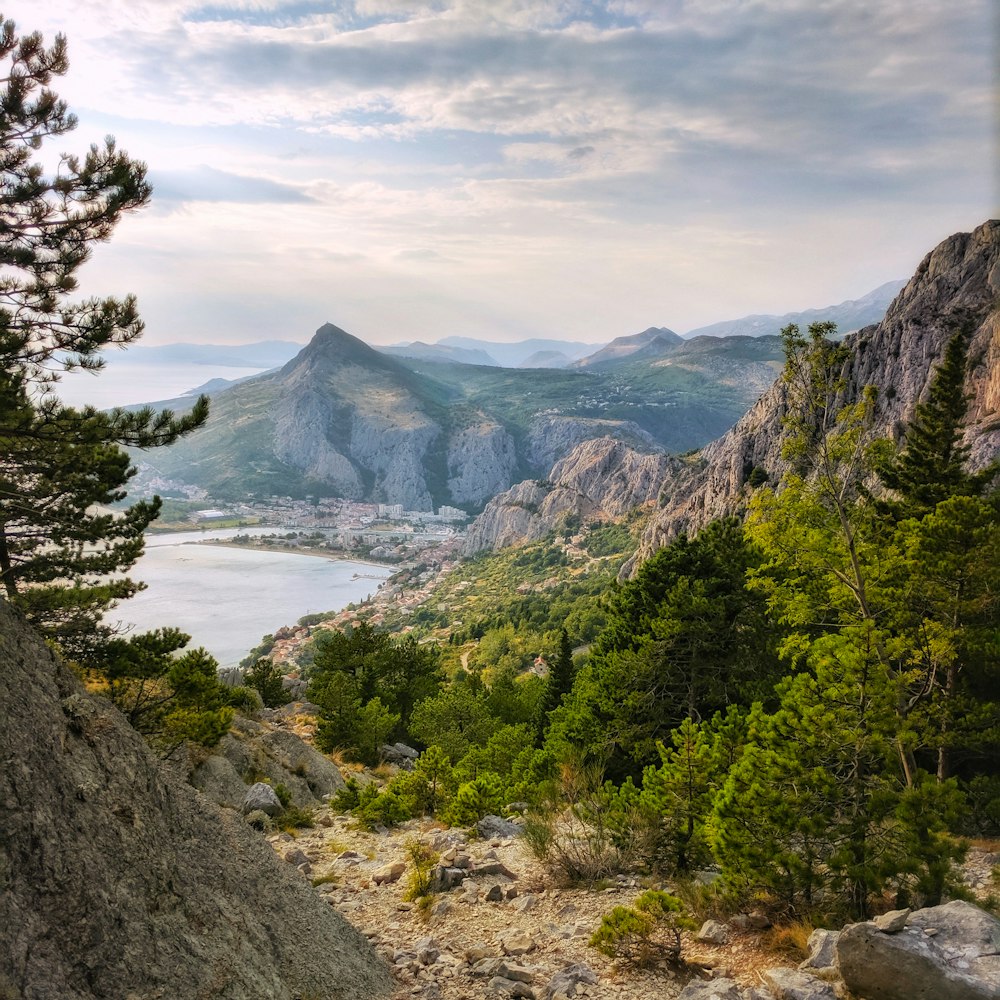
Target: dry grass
{"x": 790, "y": 940}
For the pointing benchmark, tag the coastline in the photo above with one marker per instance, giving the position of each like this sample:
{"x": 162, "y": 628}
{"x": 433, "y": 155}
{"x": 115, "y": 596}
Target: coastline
{"x": 285, "y": 550}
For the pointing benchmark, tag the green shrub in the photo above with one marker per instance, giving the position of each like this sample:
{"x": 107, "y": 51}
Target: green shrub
{"x": 648, "y": 930}
{"x": 422, "y": 861}
{"x": 476, "y": 799}
{"x": 346, "y": 799}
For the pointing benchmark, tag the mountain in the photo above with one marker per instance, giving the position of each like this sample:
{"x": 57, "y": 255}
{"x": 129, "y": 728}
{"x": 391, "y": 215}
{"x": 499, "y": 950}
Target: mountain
{"x": 546, "y": 359}
{"x": 656, "y": 341}
{"x": 514, "y": 355}
{"x": 120, "y": 880}
{"x": 262, "y": 354}
{"x": 344, "y": 419}
{"x": 958, "y": 279}
{"x": 850, "y": 315}
{"x": 440, "y": 352}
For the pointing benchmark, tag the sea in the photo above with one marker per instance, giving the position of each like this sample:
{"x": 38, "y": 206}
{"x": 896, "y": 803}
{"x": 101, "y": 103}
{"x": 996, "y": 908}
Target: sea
{"x": 228, "y": 598}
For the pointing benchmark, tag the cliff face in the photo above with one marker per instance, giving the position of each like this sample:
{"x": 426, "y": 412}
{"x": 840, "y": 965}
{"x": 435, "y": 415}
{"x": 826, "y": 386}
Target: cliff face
{"x": 601, "y": 479}
{"x": 119, "y": 880}
{"x": 960, "y": 278}
{"x": 481, "y": 462}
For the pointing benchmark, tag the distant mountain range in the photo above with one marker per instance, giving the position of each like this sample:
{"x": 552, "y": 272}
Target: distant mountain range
{"x": 458, "y": 422}
{"x": 344, "y": 419}
{"x": 849, "y": 316}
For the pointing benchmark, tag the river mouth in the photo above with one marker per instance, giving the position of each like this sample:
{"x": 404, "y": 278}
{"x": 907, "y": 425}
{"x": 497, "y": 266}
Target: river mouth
{"x": 227, "y": 598}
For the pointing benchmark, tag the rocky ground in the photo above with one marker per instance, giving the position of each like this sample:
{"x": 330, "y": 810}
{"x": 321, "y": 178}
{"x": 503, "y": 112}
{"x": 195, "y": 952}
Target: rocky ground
{"x": 506, "y": 928}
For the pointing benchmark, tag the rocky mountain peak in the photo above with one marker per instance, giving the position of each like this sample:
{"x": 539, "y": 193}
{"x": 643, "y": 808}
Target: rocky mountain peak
{"x": 957, "y": 281}
{"x": 332, "y": 348}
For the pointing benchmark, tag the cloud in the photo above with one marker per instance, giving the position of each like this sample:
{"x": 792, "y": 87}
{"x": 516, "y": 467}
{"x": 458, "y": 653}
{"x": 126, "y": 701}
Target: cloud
{"x": 205, "y": 183}
{"x": 641, "y": 149}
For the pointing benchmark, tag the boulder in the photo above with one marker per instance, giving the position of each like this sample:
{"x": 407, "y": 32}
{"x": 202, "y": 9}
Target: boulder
{"x": 712, "y": 932}
{"x": 216, "y": 778}
{"x": 893, "y": 921}
{"x": 118, "y": 879}
{"x": 491, "y": 827}
{"x": 261, "y": 797}
{"x": 793, "y": 984}
{"x": 399, "y": 754}
{"x": 389, "y": 873}
{"x": 511, "y": 988}
{"x": 567, "y": 980}
{"x": 822, "y": 946}
{"x": 517, "y": 943}
{"x": 256, "y": 749}
{"x": 948, "y": 952}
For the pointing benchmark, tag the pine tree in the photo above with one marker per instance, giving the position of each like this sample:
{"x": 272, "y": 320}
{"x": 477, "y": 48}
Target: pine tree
{"x": 932, "y": 465}
{"x": 560, "y": 679}
{"x": 58, "y": 557}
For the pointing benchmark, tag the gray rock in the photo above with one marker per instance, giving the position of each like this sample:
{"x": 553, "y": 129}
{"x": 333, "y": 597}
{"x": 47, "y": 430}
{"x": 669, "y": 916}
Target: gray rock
{"x": 216, "y": 778}
{"x": 495, "y": 868}
{"x": 893, "y": 921}
{"x": 255, "y": 749}
{"x": 516, "y": 943}
{"x": 567, "y": 980}
{"x": 140, "y": 886}
{"x": 490, "y": 827}
{"x": 960, "y": 276}
{"x": 494, "y": 894}
{"x": 793, "y": 984}
{"x": 712, "y": 932}
{"x": 444, "y": 879}
{"x": 519, "y": 973}
{"x": 958, "y": 962}
{"x": 399, "y": 754}
{"x": 511, "y": 988}
{"x": 428, "y": 951}
{"x": 822, "y": 946}
{"x": 477, "y": 952}
{"x": 261, "y": 798}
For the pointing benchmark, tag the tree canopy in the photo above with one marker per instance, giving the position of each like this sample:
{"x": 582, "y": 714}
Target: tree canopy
{"x": 61, "y": 546}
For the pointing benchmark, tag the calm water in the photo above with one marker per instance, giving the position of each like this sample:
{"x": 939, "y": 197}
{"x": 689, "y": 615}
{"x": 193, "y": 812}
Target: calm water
{"x": 228, "y": 598}
{"x": 124, "y": 384}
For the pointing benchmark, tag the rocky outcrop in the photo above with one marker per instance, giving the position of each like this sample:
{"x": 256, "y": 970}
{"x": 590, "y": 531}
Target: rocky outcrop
{"x": 599, "y": 480}
{"x": 552, "y": 437}
{"x": 119, "y": 880}
{"x": 255, "y": 751}
{"x": 959, "y": 279}
{"x": 949, "y": 952}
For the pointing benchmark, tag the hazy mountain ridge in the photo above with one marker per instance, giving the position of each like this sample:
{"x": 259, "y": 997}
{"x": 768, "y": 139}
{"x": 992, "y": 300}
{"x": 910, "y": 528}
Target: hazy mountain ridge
{"x": 656, "y": 341}
{"x": 849, "y": 315}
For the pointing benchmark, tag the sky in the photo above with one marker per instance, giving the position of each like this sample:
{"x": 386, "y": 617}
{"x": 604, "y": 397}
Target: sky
{"x": 505, "y": 169}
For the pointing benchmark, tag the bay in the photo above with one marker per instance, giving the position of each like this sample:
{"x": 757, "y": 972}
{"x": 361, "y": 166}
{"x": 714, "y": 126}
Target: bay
{"x": 227, "y": 598}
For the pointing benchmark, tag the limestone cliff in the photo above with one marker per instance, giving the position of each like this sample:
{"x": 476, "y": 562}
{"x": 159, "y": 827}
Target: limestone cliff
{"x": 960, "y": 278}
{"x": 600, "y": 479}
{"x": 119, "y": 880}
{"x": 481, "y": 461}
{"x": 551, "y": 437}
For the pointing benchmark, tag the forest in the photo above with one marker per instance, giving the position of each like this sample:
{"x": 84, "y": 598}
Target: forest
{"x": 803, "y": 700}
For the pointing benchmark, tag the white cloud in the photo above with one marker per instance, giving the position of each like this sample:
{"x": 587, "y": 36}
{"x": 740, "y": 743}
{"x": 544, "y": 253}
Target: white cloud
{"x": 553, "y": 161}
